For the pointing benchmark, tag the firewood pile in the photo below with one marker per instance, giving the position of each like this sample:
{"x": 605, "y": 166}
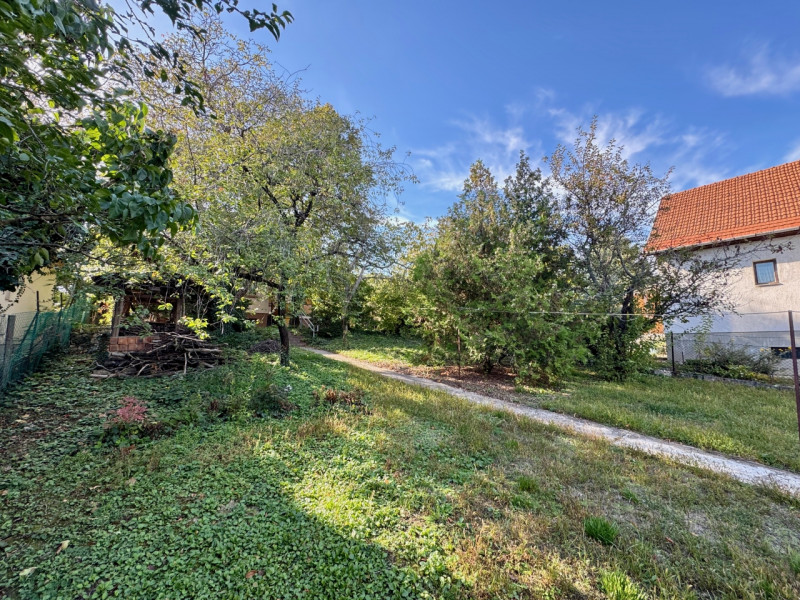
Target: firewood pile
{"x": 171, "y": 353}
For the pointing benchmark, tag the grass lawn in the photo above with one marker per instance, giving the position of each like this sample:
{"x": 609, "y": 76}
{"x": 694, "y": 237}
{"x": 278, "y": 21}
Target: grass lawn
{"x": 414, "y": 494}
{"x": 376, "y": 348}
{"x": 754, "y": 423}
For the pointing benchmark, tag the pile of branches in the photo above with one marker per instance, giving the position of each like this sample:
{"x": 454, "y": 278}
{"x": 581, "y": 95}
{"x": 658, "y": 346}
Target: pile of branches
{"x": 172, "y": 353}
{"x": 266, "y": 347}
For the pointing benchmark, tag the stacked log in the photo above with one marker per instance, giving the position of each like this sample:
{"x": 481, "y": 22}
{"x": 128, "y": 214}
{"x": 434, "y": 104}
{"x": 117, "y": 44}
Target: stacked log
{"x": 171, "y": 353}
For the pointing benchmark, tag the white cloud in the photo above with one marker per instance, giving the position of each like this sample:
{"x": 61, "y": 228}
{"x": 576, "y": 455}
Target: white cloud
{"x": 632, "y": 129}
{"x": 763, "y": 72}
{"x": 693, "y": 153}
{"x": 697, "y": 154}
{"x": 446, "y": 167}
{"x": 794, "y": 153}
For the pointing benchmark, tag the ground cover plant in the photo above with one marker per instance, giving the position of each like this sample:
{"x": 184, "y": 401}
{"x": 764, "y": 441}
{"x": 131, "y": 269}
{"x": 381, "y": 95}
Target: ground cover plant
{"x": 753, "y": 423}
{"x": 414, "y": 494}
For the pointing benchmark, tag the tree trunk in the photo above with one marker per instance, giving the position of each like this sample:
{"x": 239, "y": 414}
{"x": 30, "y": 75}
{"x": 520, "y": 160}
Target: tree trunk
{"x": 283, "y": 328}
{"x": 348, "y": 299}
{"x": 283, "y": 331}
{"x": 345, "y": 330}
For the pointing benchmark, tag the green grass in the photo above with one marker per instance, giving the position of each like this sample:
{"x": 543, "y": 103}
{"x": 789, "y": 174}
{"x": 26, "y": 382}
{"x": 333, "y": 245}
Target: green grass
{"x": 377, "y": 348}
{"x": 754, "y": 423}
{"x": 601, "y": 530}
{"x": 417, "y": 495}
{"x": 618, "y": 586}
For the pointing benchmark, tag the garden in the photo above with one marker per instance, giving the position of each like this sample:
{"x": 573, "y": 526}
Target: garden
{"x": 323, "y": 480}
{"x": 208, "y": 210}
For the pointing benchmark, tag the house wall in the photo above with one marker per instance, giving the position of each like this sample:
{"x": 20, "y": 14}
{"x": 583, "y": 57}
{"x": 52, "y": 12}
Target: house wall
{"x": 11, "y": 303}
{"x": 749, "y": 298}
{"x": 760, "y": 321}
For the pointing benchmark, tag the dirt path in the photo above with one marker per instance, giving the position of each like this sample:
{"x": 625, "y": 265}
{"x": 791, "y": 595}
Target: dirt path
{"x": 741, "y": 470}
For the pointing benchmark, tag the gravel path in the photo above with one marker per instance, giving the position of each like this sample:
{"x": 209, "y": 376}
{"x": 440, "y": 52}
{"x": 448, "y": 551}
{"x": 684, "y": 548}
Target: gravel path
{"x": 742, "y": 470}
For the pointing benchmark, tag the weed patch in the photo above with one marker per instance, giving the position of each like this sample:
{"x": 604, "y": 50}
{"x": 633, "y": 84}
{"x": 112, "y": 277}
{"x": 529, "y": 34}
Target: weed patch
{"x": 601, "y": 530}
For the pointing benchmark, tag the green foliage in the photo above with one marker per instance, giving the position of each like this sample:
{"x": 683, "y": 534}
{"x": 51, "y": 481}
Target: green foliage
{"x": 731, "y": 360}
{"x": 527, "y": 484}
{"x": 607, "y": 204}
{"x": 271, "y": 401}
{"x": 107, "y": 176}
{"x": 495, "y": 276}
{"x": 392, "y": 302}
{"x": 601, "y": 530}
{"x": 618, "y": 586}
{"x": 290, "y": 193}
{"x": 68, "y": 178}
{"x": 380, "y": 348}
{"x": 794, "y": 561}
{"x": 619, "y": 347}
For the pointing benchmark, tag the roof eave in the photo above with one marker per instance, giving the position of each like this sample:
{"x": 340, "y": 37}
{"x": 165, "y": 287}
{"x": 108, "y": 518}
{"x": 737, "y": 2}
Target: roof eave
{"x": 751, "y": 237}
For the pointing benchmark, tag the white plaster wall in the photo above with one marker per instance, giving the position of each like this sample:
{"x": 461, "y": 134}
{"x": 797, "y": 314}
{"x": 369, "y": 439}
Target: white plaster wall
{"x": 760, "y": 308}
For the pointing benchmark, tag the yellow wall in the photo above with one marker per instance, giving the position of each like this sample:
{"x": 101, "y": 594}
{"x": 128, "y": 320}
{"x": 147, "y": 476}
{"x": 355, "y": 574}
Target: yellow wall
{"x": 12, "y": 303}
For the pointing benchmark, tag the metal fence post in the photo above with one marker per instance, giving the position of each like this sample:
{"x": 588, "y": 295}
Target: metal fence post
{"x": 793, "y": 350}
{"x": 672, "y": 352}
{"x": 8, "y": 349}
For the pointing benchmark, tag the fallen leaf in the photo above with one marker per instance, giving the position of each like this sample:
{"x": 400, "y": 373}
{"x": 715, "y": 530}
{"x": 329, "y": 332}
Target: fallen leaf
{"x": 250, "y": 574}
{"x": 27, "y": 572}
{"x": 131, "y": 481}
{"x": 3, "y": 492}
{"x": 62, "y": 546}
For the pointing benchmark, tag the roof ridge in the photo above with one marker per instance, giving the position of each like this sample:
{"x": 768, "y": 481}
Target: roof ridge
{"x": 730, "y": 179}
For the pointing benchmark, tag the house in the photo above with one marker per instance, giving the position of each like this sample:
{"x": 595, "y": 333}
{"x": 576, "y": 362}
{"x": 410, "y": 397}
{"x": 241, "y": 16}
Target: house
{"x": 36, "y": 294}
{"x": 759, "y": 214}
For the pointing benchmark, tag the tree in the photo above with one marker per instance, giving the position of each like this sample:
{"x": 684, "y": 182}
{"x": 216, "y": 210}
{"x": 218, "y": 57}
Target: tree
{"x": 373, "y": 253}
{"x": 608, "y": 206}
{"x": 76, "y": 161}
{"x": 285, "y": 188}
{"x": 496, "y": 272}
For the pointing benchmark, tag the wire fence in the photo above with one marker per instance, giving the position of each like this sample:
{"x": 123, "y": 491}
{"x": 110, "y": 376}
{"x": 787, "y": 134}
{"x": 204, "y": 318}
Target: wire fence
{"x": 26, "y": 337}
{"x": 758, "y": 342}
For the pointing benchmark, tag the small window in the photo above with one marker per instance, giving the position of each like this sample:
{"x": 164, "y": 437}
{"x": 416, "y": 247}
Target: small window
{"x": 766, "y": 273}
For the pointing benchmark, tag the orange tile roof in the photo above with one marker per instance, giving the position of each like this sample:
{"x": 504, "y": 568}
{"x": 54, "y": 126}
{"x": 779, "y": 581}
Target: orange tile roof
{"x": 755, "y": 204}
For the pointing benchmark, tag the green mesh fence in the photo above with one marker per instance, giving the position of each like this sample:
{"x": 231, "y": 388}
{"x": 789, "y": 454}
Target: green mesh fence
{"x": 26, "y": 337}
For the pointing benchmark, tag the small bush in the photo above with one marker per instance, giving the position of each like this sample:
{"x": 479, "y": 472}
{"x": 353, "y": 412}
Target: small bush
{"x": 737, "y": 362}
{"x": 601, "y": 530}
{"x": 618, "y": 586}
{"x": 133, "y": 411}
{"x": 333, "y": 397}
{"x": 129, "y": 423}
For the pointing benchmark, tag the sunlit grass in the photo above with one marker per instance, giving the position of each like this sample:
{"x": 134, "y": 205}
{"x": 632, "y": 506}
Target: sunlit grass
{"x": 420, "y": 495}
{"x": 755, "y": 423}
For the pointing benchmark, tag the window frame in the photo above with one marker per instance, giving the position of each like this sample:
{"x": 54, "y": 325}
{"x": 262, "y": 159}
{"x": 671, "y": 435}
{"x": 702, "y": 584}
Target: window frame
{"x": 774, "y": 262}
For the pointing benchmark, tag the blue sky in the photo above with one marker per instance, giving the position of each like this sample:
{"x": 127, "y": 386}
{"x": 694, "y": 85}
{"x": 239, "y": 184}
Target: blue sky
{"x": 710, "y": 88}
